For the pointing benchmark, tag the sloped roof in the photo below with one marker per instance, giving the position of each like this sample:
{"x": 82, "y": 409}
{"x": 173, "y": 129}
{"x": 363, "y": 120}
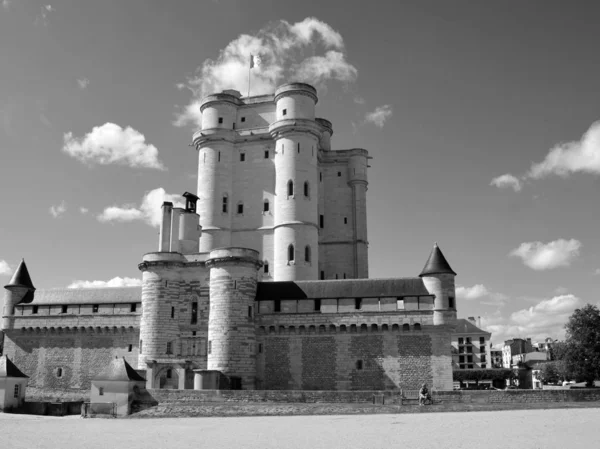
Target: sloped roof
{"x": 466, "y": 327}
{"x": 343, "y": 288}
{"x": 21, "y": 277}
{"x": 8, "y": 368}
{"x": 437, "y": 263}
{"x": 108, "y": 295}
{"x": 118, "y": 369}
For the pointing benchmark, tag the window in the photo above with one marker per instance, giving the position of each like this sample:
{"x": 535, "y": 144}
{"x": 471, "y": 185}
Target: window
{"x": 461, "y": 359}
{"x": 470, "y": 366}
{"x": 260, "y": 348}
{"x": 133, "y": 307}
{"x": 462, "y": 366}
{"x": 290, "y": 188}
{"x": 357, "y": 303}
{"x": 344, "y": 275}
{"x": 234, "y": 126}
{"x": 169, "y": 373}
{"x": 321, "y": 221}
{"x": 266, "y": 154}
{"x": 336, "y": 276}
{"x": 483, "y": 366}
{"x": 100, "y": 391}
{"x": 461, "y": 349}
{"x": 291, "y": 253}
{"x": 470, "y": 358}
{"x": 35, "y": 310}
{"x": 284, "y": 112}
{"x": 266, "y": 206}
{"x": 306, "y": 189}
{"x": 95, "y": 308}
{"x": 405, "y": 327}
{"x": 399, "y": 304}
{"x": 482, "y": 349}
{"x": 209, "y": 346}
{"x": 481, "y": 340}
{"x": 461, "y": 341}
{"x": 64, "y": 309}
{"x": 482, "y": 358}
{"x": 194, "y": 319}
{"x": 469, "y": 349}
{"x": 220, "y": 119}
{"x": 130, "y": 348}
{"x": 240, "y": 209}
{"x": 468, "y": 340}
{"x": 298, "y": 147}
{"x": 307, "y": 253}
{"x": 243, "y": 119}
{"x": 172, "y": 312}
{"x": 345, "y": 220}
{"x": 417, "y": 326}
{"x": 141, "y": 345}
{"x": 59, "y": 372}
{"x": 451, "y": 303}
{"x": 169, "y": 347}
{"x": 322, "y": 275}
{"x": 317, "y": 305}
{"x": 277, "y": 305}
{"x": 249, "y": 311}
{"x": 225, "y": 203}
{"x": 320, "y": 176}
{"x": 266, "y": 267}
{"x": 359, "y": 364}
{"x": 17, "y": 391}
{"x": 242, "y": 157}
{"x": 339, "y": 174}
{"x": 219, "y": 156}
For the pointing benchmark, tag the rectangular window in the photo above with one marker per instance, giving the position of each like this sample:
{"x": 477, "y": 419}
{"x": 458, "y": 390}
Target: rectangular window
{"x": 210, "y": 346}
{"x": 277, "y": 305}
{"x": 220, "y": 119}
{"x": 345, "y": 220}
{"x": 482, "y": 358}
{"x": 260, "y": 348}
{"x": 470, "y": 358}
{"x": 322, "y": 275}
{"x": 399, "y": 304}
{"x": 339, "y": 174}
{"x": 243, "y": 119}
{"x": 481, "y": 340}
{"x": 461, "y": 341}
{"x": 17, "y": 390}
{"x": 462, "y": 366}
{"x": 266, "y": 206}
{"x": 240, "y": 209}
{"x": 469, "y": 349}
{"x": 242, "y": 157}
{"x": 321, "y": 221}
{"x": 133, "y": 307}
{"x": 95, "y": 308}
{"x": 266, "y": 267}
{"x": 483, "y": 366}
{"x": 100, "y": 391}
{"x": 35, "y": 310}
{"x": 470, "y": 366}
{"x": 468, "y": 340}
{"x": 225, "y": 202}
{"x": 64, "y": 309}
{"x": 130, "y": 348}
{"x": 141, "y": 345}
{"x": 320, "y": 176}
{"x": 266, "y": 154}
{"x": 461, "y": 359}
{"x": 317, "y": 305}
{"x": 357, "y": 303}
{"x": 172, "y": 312}
{"x": 169, "y": 347}
{"x": 461, "y": 349}
{"x": 482, "y": 349}
{"x": 451, "y": 303}
{"x": 249, "y": 311}
{"x": 284, "y": 112}
{"x": 194, "y": 319}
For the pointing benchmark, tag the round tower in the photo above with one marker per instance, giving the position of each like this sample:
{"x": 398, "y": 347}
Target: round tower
{"x": 231, "y": 335}
{"x": 438, "y": 278}
{"x": 357, "y": 180}
{"x": 19, "y": 290}
{"x": 296, "y": 135}
{"x": 215, "y": 145}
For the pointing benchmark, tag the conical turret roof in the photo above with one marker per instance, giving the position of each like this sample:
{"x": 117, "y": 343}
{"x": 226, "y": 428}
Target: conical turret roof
{"x": 437, "y": 263}
{"x": 21, "y": 277}
{"x": 118, "y": 369}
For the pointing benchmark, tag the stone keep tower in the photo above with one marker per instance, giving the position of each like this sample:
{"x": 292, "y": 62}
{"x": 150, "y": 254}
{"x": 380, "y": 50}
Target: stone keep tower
{"x": 438, "y": 278}
{"x": 231, "y": 334}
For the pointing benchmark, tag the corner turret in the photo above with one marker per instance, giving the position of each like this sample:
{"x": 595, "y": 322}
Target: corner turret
{"x": 20, "y": 289}
{"x": 438, "y": 278}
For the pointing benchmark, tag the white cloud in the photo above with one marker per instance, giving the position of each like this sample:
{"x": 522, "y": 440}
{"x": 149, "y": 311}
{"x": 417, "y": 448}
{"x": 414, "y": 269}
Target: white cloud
{"x": 580, "y": 156}
{"x": 149, "y": 210}
{"x": 282, "y": 47}
{"x": 481, "y": 293}
{"x": 545, "y": 319}
{"x": 546, "y": 256}
{"x": 111, "y": 144}
{"x": 380, "y": 115}
{"x": 597, "y": 272}
{"x": 5, "y": 268}
{"x": 42, "y": 17}
{"x": 359, "y": 100}
{"x": 57, "y": 211}
{"x": 84, "y": 210}
{"x": 114, "y": 282}
{"x": 507, "y": 181}
{"x": 83, "y": 83}
{"x": 6, "y": 4}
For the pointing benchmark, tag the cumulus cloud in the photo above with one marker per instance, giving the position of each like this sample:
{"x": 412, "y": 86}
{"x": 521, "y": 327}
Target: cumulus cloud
{"x": 546, "y": 256}
{"x": 114, "y": 282}
{"x": 507, "y": 181}
{"x": 5, "y": 268}
{"x": 57, "y": 211}
{"x": 597, "y": 272}
{"x": 379, "y": 116}
{"x": 42, "y": 17}
{"x": 111, "y": 144}
{"x": 84, "y": 210}
{"x": 83, "y": 83}
{"x": 482, "y": 293}
{"x": 283, "y": 49}
{"x": 545, "y": 319}
{"x": 149, "y": 210}
{"x": 6, "y": 4}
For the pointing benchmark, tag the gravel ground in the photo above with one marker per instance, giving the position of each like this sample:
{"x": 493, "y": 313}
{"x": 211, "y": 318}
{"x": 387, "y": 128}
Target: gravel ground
{"x": 543, "y": 429}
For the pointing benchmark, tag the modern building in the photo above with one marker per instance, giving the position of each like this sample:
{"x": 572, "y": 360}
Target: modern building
{"x": 470, "y": 345}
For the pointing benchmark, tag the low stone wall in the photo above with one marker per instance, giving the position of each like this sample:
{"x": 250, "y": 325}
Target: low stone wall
{"x": 51, "y": 395}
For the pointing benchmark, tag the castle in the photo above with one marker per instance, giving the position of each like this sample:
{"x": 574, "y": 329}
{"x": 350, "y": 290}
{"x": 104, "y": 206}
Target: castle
{"x": 262, "y": 277}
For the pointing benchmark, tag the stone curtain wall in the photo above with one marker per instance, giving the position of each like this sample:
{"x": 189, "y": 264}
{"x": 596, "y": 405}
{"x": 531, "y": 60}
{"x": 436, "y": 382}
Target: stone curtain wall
{"x": 80, "y": 355}
{"x": 353, "y": 361}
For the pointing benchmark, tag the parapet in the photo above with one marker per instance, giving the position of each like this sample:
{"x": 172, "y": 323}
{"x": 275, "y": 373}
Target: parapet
{"x": 233, "y": 255}
{"x": 296, "y": 88}
{"x": 223, "y": 97}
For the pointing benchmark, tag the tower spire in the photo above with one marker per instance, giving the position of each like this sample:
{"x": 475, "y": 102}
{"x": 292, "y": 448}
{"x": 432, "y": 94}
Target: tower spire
{"x": 21, "y": 277}
{"x": 437, "y": 263}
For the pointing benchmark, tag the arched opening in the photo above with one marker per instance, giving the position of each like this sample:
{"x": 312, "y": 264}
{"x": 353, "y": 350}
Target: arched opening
{"x": 307, "y": 253}
{"x": 291, "y": 252}
{"x": 417, "y": 327}
{"x": 405, "y": 327}
{"x": 290, "y": 188}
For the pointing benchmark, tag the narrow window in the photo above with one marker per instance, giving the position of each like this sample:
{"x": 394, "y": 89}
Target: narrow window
{"x": 284, "y": 112}
{"x": 451, "y": 303}
{"x": 240, "y": 209}
{"x": 133, "y": 307}
{"x": 266, "y": 154}
{"x": 461, "y": 341}
{"x": 339, "y": 174}
{"x": 95, "y": 308}
{"x": 242, "y": 157}
{"x": 336, "y": 276}
{"x": 344, "y": 275}
{"x": 204, "y": 158}
{"x": 169, "y": 373}
{"x": 260, "y": 348}
{"x": 35, "y": 310}
{"x": 357, "y": 303}
{"x": 64, "y": 309}
{"x": 405, "y": 327}
{"x": 317, "y": 305}
{"x": 399, "y": 304}
{"x": 209, "y": 346}
{"x": 194, "y": 319}
{"x": 172, "y": 312}
{"x": 290, "y": 188}
{"x": 266, "y": 267}
{"x": 169, "y": 347}
{"x": 141, "y": 345}
{"x": 277, "y": 305}
{"x": 306, "y": 189}
{"x": 291, "y": 253}
{"x": 307, "y": 254}
{"x": 321, "y": 221}
{"x": 298, "y": 147}
{"x": 417, "y": 326}
{"x": 359, "y": 364}
{"x": 249, "y": 311}
{"x": 59, "y": 372}
{"x": 130, "y": 348}
{"x": 233, "y": 125}
{"x": 17, "y": 391}
{"x": 320, "y": 176}
{"x": 100, "y": 391}
{"x": 345, "y": 220}
{"x": 166, "y": 283}
{"x": 219, "y": 156}
{"x": 482, "y": 349}
{"x": 220, "y": 119}
{"x": 266, "y": 206}
{"x": 322, "y": 275}
{"x": 481, "y": 340}
{"x": 225, "y": 203}
{"x": 243, "y": 119}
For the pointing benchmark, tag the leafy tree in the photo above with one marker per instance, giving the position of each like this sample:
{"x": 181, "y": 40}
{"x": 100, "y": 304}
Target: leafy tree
{"x": 581, "y": 352}
{"x": 553, "y": 372}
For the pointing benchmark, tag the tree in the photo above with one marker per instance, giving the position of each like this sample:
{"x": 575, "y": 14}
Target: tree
{"x": 581, "y": 352}
{"x": 553, "y": 372}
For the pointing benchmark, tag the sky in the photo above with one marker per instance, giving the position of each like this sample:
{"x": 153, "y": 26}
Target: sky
{"x": 482, "y": 118}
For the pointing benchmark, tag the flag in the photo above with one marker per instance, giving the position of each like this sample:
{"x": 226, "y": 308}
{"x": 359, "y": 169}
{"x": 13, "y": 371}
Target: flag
{"x": 255, "y": 61}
